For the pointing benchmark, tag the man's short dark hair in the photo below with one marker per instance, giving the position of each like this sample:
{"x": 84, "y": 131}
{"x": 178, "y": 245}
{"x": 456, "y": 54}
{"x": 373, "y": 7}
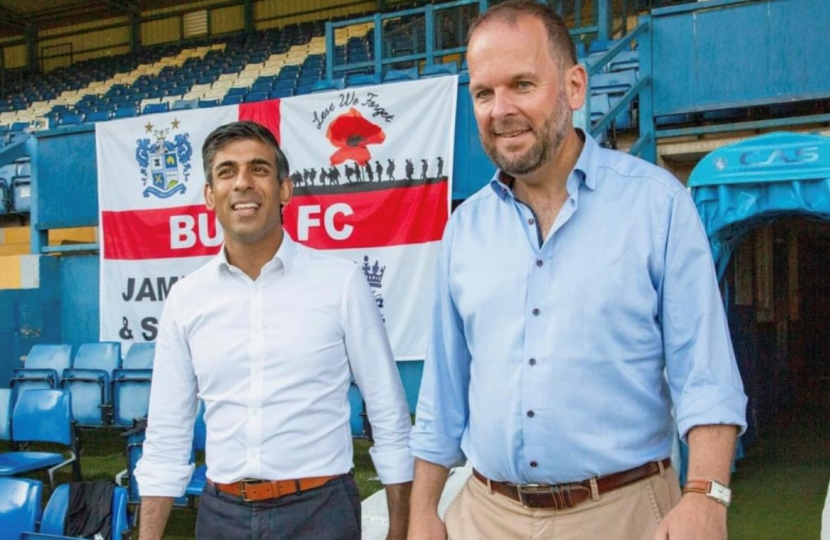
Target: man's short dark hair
{"x": 564, "y": 50}
{"x": 239, "y": 131}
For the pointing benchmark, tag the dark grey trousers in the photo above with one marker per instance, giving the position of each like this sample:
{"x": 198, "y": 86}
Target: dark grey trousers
{"x": 330, "y": 512}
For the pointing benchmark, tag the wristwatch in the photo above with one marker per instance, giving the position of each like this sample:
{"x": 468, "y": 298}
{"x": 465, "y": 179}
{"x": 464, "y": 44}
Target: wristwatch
{"x": 711, "y": 488}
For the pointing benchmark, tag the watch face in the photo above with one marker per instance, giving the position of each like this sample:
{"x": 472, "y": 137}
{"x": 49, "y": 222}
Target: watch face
{"x": 720, "y": 492}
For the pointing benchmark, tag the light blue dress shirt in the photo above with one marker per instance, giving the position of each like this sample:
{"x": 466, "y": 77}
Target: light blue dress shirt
{"x": 546, "y": 357}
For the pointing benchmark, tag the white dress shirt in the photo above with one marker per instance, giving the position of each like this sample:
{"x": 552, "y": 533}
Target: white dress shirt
{"x": 270, "y": 358}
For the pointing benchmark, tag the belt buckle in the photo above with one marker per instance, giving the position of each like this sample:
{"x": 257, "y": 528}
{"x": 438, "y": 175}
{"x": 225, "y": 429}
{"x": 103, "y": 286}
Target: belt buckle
{"x": 242, "y": 490}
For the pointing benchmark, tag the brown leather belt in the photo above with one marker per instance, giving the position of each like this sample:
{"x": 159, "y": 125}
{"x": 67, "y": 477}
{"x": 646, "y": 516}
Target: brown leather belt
{"x": 261, "y": 490}
{"x": 561, "y": 496}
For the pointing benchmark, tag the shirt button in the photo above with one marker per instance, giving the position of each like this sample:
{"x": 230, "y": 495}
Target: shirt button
{"x": 539, "y": 262}
{"x": 531, "y": 221}
{"x": 536, "y": 311}
{"x": 531, "y": 414}
{"x": 532, "y": 361}
{"x": 533, "y": 464}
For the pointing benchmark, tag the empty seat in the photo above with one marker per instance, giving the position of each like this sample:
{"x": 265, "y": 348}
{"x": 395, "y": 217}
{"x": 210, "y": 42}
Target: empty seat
{"x": 131, "y": 385}
{"x": 410, "y": 74}
{"x": 5, "y": 197}
{"x": 152, "y": 108}
{"x": 68, "y": 119}
{"x": 21, "y": 192}
{"x": 360, "y": 79}
{"x": 625, "y": 60}
{"x": 325, "y": 85}
{"x": 98, "y": 116}
{"x": 232, "y": 100}
{"x": 256, "y": 96}
{"x": 126, "y": 111}
{"x": 20, "y": 509}
{"x": 437, "y": 70}
{"x": 42, "y": 416}
{"x": 43, "y": 368}
{"x": 88, "y": 380}
{"x": 53, "y": 524}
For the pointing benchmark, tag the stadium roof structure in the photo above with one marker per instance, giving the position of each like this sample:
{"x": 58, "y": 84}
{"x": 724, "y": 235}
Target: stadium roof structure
{"x": 19, "y": 16}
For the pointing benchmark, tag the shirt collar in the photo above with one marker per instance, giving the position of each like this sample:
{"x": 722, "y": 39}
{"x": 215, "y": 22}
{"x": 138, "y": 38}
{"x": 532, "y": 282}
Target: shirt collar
{"x": 285, "y": 255}
{"x": 585, "y": 169}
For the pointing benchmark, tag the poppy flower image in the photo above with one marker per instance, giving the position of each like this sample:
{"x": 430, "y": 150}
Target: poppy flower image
{"x": 351, "y": 134}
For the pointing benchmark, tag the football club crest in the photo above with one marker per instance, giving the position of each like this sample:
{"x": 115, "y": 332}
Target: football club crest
{"x": 165, "y": 164}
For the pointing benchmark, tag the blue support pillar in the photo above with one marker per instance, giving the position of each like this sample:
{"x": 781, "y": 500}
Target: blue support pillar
{"x": 378, "y": 45}
{"x": 329, "y": 51}
{"x": 429, "y": 16}
{"x": 604, "y": 16}
{"x": 647, "y": 129}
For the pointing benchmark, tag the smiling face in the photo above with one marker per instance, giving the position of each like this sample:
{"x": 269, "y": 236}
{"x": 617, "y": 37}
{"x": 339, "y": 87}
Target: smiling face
{"x": 246, "y": 194}
{"x": 522, "y": 98}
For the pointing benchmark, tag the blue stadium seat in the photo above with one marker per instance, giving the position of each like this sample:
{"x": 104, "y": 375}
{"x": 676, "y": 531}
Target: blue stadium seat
{"x": 43, "y": 368}
{"x": 5, "y": 197}
{"x": 52, "y": 525}
{"x": 20, "y": 500}
{"x": 156, "y": 108}
{"x": 43, "y": 416}
{"x": 279, "y": 93}
{"x": 206, "y": 103}
{"x": 131, "y": 384}
{"x": 88, "y": 380}
{"x": 232, "y": 100}
{"x": 199, "y": 478}
{"x": 23, "y": 167}
{"x": 5, "y": 414}
{"x": 256, "y": 96}
{"x": 360, "y": 79}
{"x": 410, "y": 74}
{"x": 237, "y": 91}
{"x": 98, "y": 116}
{"x": 438, "y": 70}
{"x": 184, "y": 104}
{"x": 125, "y": 111}
{"x": 68, "y": 119}
{"x": 625, "y": 60}
{"x": 325, "y": 85}
{"x": 21, "y": 191}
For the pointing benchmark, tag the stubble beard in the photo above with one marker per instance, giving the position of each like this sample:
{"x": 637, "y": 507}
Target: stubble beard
{"x": 548, "y": 141}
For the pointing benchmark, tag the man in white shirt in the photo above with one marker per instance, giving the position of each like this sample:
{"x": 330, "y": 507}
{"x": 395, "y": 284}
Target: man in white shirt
{"x": 266, "y": 334}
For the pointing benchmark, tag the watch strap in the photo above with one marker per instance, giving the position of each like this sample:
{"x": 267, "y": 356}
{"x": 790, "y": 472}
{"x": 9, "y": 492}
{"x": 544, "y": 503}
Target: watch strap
{"x": 704, "y": 487}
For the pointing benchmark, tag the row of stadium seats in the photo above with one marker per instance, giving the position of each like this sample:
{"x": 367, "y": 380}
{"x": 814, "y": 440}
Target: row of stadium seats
{"x": 15, "y": 187}
{"x": 21, "y": 517}
{"x": 105, "y": 390}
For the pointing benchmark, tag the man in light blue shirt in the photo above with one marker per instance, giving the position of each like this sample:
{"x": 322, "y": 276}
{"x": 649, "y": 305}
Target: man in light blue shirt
{"x": 576, "y": 303}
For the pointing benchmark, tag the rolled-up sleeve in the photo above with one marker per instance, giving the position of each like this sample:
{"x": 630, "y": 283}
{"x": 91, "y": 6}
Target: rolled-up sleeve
{"x": 376, "y": 374}
{"x": 703, "y": 375}
{"x": 443, "y": 410}
{"x": 165, "y": 468}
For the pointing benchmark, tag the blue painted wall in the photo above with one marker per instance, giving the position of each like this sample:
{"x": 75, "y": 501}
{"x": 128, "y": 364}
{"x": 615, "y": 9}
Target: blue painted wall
{"x": 28, "y": 317}
{"x": 79, "y": 297}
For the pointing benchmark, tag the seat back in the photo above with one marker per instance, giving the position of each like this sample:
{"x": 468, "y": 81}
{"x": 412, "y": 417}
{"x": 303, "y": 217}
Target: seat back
{"x": 5, "y": 414}
{"x": 57, "y": 357}
{"x": 89, "y": 382}
{"x": 43, "y": 415}
{"x": 104, "y": 356}
{"x": 19, "y": 506}
{"x": 140, "y": 356}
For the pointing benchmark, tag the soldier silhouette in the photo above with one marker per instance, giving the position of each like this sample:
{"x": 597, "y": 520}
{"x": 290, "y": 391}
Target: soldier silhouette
{"x": 349, "y": 173}
{"x": 440, "y": 167}
{"x": 409, "y": 169}
{"x": 312, "y": 175}
{"x": 323, "y": 176}
{"x": 390, "y": 169}
{"x": 369, "y": 174}
{"x": 334, "y": 176}
{"x": 424, "y": 169}
{"x": 379, "y": 170}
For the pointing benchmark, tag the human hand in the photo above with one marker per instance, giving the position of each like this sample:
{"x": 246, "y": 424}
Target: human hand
{"x": 696, "y": 517}
{"x": 426, "y": 526}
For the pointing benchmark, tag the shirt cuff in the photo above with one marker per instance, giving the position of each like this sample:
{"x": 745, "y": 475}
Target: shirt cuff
{"x": 162, "y": 479}
{"x": 718, "y": 405}
{"x": 438, "y": 449}
{"x": 393, "y": 466}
